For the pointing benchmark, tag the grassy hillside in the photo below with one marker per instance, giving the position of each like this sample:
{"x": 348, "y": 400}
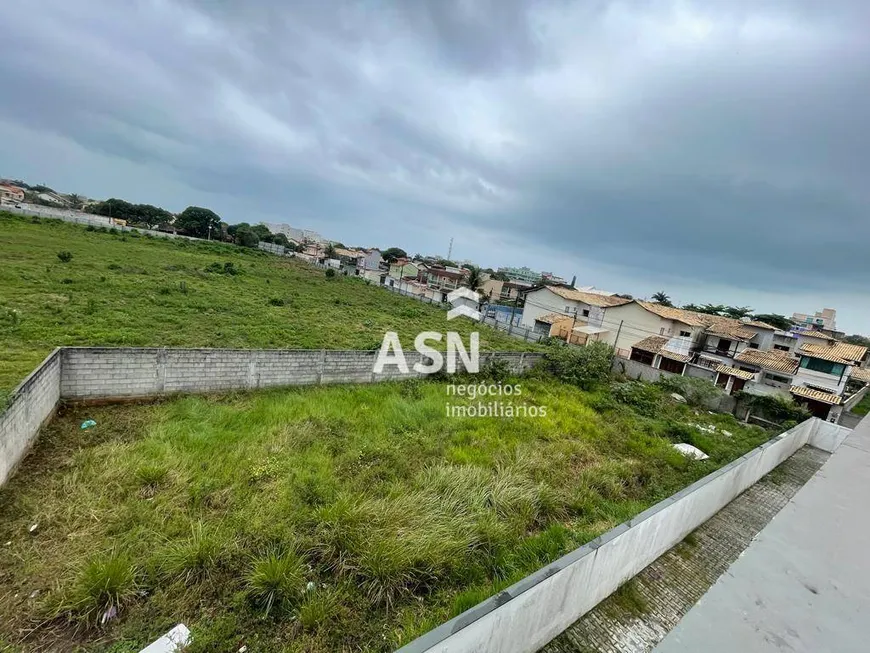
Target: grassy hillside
{"x": 137, "y": 291}
{"x": 339, "y": 518}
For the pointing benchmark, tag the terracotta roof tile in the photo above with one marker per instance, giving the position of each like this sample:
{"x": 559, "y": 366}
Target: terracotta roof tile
{"x": 733, "y": 371}
{"x": 768, "y": 360}
{"x": 591, "y": 298}
{"x": 860, "y": 374}
{"x": 838, "y": 352}
{"x": 817, "y": 395}
{"x": 552, "y": 318}
{"x": 656, "y": 345}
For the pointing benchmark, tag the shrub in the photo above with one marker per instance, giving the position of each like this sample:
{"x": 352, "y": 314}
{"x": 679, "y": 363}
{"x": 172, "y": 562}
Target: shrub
{"x": 774, "y": 408}
{"x": 584, "y": 367}
{"x": 330, "y": 272}
{"x": 90, "y": 227}
{"x": 276, "y": 301}
{"x": 226, "y": 268}
{"x": 65, "y": 256}
{"x": 66, "y": 281}
{"x": 496, "y": 369}
{"x": 643, "y": 396}
{"x": 113, "y": 266}
{"x": 275, "y": 579}
{"x": 698, "y": 392}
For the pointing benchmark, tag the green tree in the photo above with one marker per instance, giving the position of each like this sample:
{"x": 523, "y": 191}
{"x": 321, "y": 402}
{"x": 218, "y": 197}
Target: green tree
{"x": 856, "y": 339}
{"x": 280, "y": 239}
{"x": 774, "y": 319}
{"x": 474, "y": 278}
{"x": 75, "y": 200}
{"x": 585, "y": 367}
{"x": 661, "y": 298}
{"x": 500, "y": 276}
{"x": 392, "y": 253}
{"x": 712, "y": 309}
{"x": 199, "y": 222}
{"x": 737, "y": 312}
{"x": 329, "y": 251}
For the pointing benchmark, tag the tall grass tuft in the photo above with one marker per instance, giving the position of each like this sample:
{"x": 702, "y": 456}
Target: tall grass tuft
{"x": 275, "y": 579}
{"x": 195, "y": 557}
{"x": 105, "y": 584}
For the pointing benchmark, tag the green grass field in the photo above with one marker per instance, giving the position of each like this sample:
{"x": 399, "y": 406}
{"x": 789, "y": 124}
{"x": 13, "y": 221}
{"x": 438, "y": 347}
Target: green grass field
{"x": 137, "y": 291}
{"x": 329, "y": 518}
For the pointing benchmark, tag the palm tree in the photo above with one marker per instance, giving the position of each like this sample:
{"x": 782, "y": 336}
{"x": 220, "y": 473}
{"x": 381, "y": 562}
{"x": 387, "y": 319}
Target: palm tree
{"x": 75, "y": 200}
{"x": 329, "y": 251}
{"x": 474, "y": 278}
{"x": 661, "y": 298}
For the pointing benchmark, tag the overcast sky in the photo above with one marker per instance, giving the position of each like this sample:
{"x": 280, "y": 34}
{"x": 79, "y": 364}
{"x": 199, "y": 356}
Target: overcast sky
{"x": 718, "y": 150}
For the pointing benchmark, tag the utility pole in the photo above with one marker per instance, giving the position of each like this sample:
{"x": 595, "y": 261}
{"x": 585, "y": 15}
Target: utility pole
{"x": 616, "y": 342}
{"x": 514, "y": 308}
{"x": 571, "y": 330}
{"x": 450, "y": 249}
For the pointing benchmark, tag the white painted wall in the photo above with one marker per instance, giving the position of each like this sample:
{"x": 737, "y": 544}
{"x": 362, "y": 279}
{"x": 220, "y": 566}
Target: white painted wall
{"x": 543, "y": 301}
{"x": 637, "y": 324}
{"x": 811, "y": 377}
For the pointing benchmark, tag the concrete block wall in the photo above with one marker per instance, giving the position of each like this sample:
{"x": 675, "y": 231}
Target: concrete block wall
{"x": 527, "y": 615}
{"x": 31, "y": 404}
{"x": 102, "y": 373}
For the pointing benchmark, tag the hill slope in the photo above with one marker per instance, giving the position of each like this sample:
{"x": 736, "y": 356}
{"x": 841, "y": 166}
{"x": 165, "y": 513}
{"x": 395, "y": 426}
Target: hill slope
{"x": 127, "y": 290}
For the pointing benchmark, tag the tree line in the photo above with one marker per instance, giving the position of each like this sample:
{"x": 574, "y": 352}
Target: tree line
{"x": 195, "y": 221}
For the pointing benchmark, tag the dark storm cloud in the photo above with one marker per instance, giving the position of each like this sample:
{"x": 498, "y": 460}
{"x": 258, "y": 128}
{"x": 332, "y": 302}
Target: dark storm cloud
{"x": 724, "y": 141}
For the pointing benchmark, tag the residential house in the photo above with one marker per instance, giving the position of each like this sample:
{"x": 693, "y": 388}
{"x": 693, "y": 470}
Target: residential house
{"x": 822, "y": 375}
{"x": 10, "y": 193}
{"x": 403, "y": 268}
{"x": 496, "y": 290}
{"x": 348, "y": 260}
{"x": 441, "y": 279}
{"x": 773, "y": 370}
{"x": 586, "y": 308}
{"x": 662, "y": 352}
{"x": 313, "y": 252}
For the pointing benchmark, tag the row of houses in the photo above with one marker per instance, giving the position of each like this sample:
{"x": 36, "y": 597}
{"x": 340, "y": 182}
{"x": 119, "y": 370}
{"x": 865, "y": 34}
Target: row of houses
{"x": 812, "y": 367}
{"x": 807, "y": 364}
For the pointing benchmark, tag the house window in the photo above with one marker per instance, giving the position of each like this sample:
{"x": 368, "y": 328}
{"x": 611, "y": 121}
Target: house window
{"x": 782, "y": 347}
{"x": 685, "y": 334}
{"x": 819, "y": 365}
{"x": 753, "y": 345}
{"x": 669, "y": 365}
{"x": 641, "y": 356}
{"x": 662, "y": 331}
{"x": 778, "y": 378}
{"x": 585, "y": 312}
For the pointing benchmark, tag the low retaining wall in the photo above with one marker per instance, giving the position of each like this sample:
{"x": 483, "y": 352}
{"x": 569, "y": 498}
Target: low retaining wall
{"x": 31, "y": 404}
{"x": 95, "y": 373}
{"x": 527, "y": 615}
{"x": 106, "y": 374}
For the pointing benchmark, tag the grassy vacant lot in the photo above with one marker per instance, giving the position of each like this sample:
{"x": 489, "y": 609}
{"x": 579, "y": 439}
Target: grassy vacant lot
{"x": 325, "y": 518}
{"x": 137, "y": 291}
